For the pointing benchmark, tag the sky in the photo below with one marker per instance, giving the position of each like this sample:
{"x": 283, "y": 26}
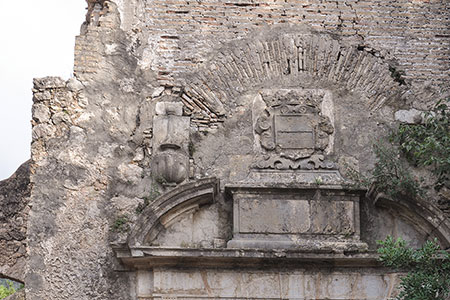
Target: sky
{"x": 37, "y": 38}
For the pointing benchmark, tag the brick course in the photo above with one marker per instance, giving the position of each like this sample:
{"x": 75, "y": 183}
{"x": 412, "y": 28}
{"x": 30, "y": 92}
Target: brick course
{"x": 415, "y": 33}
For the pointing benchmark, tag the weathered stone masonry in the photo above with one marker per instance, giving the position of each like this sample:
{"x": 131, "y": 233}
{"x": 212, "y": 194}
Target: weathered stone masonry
{"x": 14, "y": 199}
{"x": 184, "y": 115}
{"x": 415, "y": 33}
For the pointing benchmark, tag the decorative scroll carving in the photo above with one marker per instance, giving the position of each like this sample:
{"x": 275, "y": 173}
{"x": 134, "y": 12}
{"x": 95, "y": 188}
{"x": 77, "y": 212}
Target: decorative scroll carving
{"x": 280, "y": 163}
{"x": 292, "y": 131}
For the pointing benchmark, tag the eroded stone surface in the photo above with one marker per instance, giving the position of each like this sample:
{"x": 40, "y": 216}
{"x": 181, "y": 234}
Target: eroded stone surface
{"x": 274, "y": 216}
{"x": 14, "y": 200}
{"x": 302, "y": 284}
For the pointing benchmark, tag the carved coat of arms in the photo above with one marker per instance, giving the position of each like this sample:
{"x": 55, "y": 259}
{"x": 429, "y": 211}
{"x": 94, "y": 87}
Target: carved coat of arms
{"x": 292, "y": 131}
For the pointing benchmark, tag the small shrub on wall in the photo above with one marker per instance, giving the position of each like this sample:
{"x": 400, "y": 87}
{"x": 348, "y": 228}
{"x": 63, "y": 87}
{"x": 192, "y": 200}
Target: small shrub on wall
{"x": 425, "y": 145}
{"x": 428, "y": 144}
{"x": 8, "y": 290}
{"x": 428, "y": 269}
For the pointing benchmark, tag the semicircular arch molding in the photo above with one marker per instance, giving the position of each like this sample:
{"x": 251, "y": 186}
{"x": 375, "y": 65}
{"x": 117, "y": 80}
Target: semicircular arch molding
{"x": 166, "y": 208}
{"x": 426, "y": 217}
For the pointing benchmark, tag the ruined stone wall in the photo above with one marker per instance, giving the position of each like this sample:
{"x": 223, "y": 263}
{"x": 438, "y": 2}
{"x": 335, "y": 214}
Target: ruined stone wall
{"x": 178, "y": 34}
{"x": 14, "y": 209}
{"x": 170, "y": 38}
{"x": 76, "y": 145}
{"x": 93, "y": 135}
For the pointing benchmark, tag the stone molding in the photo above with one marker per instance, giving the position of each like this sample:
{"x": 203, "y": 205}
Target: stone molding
{"x": 169, "y": 206}
{"x": 427, "y": 217}
{"x": 153, "y": 257}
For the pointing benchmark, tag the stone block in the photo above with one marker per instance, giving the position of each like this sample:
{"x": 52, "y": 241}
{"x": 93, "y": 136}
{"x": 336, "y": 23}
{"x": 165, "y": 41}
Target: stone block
{"x": 169, "y": 108}
{"x": 277, "y": 217}
{"x": 171, "y": 130}
{"x": 144, "y": 286}
{"x": 412, "y": 116}
{"x": 332, "y": 217}
{"x": 41, "y": 113}
{"x": 274, "y": 216}
{"x": 48, "y": 82}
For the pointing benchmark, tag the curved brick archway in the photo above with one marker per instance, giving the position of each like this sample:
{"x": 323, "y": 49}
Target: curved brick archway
{"x": 288, "y": 58}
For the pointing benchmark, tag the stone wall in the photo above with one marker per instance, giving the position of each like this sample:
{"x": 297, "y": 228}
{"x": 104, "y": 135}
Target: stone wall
{"x": 14, "y": 200}
{"x": 74, "y": 158}
{"x": 178, "y": 35}
{"x": 101, "y": 139}
{"x": 175, "y": 37}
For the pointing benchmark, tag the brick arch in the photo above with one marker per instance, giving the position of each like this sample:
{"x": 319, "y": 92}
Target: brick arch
{"x": 288, "y": 58}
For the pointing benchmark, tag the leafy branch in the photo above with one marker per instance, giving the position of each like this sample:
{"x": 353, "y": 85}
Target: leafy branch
{"x": 428, "y": 144}
{"x": 428, "y": 268}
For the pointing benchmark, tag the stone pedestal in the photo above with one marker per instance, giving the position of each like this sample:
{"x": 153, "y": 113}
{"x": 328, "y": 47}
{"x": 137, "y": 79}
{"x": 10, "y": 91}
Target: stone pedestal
{"x": 305, "y": 217}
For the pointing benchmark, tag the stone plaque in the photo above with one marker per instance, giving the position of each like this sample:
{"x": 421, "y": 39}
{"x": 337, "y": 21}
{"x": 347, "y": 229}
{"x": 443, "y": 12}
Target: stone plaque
{"x": 294, "y": 132}
{"x": 274, "y": 216}
{"x": 332, "y": 217}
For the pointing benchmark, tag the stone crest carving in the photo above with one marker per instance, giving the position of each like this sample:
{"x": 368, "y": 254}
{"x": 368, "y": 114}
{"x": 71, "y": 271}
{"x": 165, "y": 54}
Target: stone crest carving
{"x": 293, "y": 132}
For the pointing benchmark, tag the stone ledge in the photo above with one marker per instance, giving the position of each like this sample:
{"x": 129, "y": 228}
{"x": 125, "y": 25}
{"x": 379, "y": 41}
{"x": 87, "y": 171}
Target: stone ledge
{"x": 254, "y": 187}
{"x": 151, "y": 257}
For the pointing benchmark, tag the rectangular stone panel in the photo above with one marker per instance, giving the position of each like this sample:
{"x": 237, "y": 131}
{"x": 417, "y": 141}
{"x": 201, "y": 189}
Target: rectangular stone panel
{"x": 294, "y": 132}
{"x": 332, "y": 217}
{"x": 274, "y": 216}
{"x": 247, "y": 284}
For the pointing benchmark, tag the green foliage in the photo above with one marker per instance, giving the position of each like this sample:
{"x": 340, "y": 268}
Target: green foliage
{"x": 318, "y": 180}
{"x": 121, "y": 224}
{"x": 429, "y": 269}
{"x": 422, "y": 145}
{"x": 153, "y": 194}
{"x": 391, "y": 175}
{"x": 7, "y": 291}
{"x": 428, "y": 144}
